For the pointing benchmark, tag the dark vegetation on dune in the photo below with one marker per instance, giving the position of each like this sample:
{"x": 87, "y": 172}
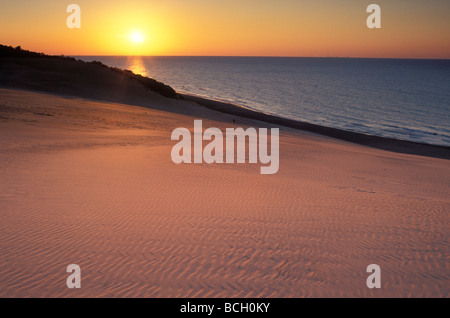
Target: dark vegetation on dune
{"x": 149, "y": 83}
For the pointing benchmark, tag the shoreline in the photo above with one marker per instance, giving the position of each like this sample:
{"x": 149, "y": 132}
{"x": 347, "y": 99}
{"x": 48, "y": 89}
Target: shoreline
{"x": 379, "y": 142}
{"x": 67, "y": 76}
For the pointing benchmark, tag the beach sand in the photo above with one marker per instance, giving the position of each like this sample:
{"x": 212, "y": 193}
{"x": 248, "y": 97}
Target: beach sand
{"x": 87, "y": 178}
{"x": 92, "y": 183}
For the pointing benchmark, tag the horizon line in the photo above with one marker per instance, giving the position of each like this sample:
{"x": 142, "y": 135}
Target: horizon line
{"x": 268, "y": 56}
{"x": 241, "y": 56}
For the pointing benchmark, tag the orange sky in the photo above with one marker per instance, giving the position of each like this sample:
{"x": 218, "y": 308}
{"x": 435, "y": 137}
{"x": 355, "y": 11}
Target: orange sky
{"x": 410, "y": 29}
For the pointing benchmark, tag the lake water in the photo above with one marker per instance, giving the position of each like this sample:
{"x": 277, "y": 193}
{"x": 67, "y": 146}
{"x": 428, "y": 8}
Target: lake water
{"x": 403, "y": 99}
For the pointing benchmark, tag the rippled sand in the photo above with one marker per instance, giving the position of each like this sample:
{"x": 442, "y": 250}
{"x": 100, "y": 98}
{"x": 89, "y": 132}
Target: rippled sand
{"x": 92, "y": 183}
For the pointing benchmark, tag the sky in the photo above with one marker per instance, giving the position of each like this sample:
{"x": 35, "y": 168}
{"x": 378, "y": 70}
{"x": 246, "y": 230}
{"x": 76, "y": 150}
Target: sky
{"x": 326, "y": 28}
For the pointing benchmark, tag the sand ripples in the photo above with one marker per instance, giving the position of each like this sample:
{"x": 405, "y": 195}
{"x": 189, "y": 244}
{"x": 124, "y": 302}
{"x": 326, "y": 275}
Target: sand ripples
{"x": 140, "y": 226}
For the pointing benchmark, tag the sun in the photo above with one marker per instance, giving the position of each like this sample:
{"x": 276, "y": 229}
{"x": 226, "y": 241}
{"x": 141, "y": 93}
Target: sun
{"x": 137, "y": 37}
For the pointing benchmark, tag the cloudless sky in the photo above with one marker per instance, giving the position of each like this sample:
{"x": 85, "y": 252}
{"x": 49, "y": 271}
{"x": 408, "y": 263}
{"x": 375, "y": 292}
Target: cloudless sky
{"x": 410, "y": 28}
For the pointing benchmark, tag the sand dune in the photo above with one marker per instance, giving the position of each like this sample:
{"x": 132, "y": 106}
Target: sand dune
{"x": 92, "y": 183}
